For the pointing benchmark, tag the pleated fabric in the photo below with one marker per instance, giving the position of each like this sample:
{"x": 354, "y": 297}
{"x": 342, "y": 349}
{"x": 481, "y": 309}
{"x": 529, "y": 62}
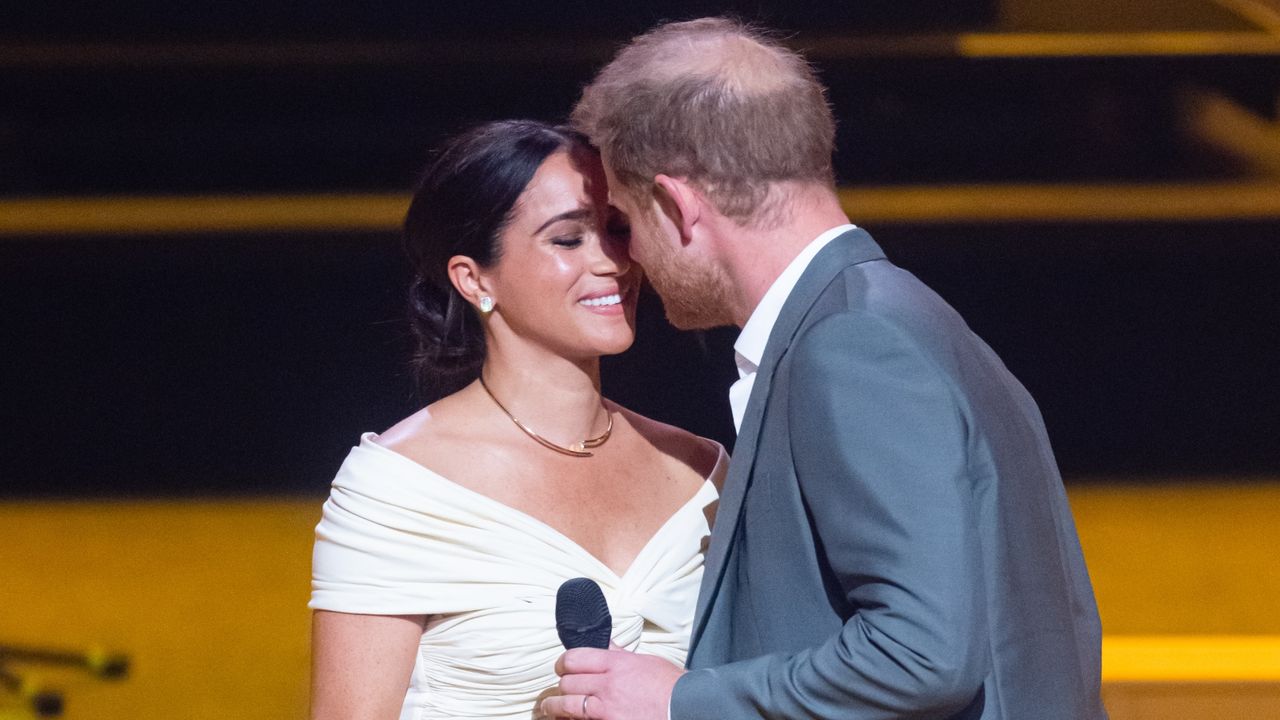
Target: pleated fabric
{"x": 396, "y": 538}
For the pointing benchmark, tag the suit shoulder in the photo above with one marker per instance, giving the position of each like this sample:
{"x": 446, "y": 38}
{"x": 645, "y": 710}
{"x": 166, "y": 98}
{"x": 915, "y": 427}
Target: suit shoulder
{"x": 853, "y": 343}
{"x": 856, "y": 334}
{"x": 885, "y": 295}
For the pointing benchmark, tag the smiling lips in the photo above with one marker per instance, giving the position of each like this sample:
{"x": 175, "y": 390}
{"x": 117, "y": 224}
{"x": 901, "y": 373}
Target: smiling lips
{"x": 604, "y": 302}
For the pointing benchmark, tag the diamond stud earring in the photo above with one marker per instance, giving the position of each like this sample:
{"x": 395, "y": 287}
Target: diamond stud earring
{"x": 486, "y": 304}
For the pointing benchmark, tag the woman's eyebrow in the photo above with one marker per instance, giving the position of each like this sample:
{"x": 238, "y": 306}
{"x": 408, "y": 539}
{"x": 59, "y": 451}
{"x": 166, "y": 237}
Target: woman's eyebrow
{"x": 579, "y": 213}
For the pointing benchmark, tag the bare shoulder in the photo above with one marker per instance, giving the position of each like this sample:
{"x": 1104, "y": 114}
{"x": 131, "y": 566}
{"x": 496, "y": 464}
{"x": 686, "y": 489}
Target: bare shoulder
{"x": 442, "y": 430}
{"x": 697, "y": 453}
{"x": 425, "y": 427}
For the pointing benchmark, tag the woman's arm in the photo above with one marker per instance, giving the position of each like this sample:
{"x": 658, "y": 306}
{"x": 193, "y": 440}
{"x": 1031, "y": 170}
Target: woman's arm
{"x": 360, "y": 664}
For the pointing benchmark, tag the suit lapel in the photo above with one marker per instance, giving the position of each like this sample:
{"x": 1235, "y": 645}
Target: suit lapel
{"x": 850, "y": 248}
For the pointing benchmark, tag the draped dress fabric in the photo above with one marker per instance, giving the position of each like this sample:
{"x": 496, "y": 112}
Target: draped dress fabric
{"x": 396, "y": 539}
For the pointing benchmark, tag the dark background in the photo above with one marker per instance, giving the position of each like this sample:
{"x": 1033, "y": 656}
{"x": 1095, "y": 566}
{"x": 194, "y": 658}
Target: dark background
{"x": 249, "y": 363}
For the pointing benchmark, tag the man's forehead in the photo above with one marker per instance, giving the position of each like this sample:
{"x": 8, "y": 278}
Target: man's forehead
{"x": 616, "y": 192}
{"x": 619, "y": 197}
{"x": 608, "y": 167}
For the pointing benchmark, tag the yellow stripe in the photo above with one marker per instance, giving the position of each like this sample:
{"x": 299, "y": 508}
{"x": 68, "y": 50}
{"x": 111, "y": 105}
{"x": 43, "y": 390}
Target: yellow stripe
{"x": 992, "y": 45}
{"x": 1210, "y": 658}
{"x": 1082, "y": 203}
{"x": 107, "y": 216}
{"x": 1042, "y": 44}
{"x": 209, "y": 214}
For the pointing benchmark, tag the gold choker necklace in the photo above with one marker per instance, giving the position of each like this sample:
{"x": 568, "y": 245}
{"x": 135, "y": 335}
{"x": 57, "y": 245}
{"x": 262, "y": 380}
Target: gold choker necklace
{"x": 578, "y": 449}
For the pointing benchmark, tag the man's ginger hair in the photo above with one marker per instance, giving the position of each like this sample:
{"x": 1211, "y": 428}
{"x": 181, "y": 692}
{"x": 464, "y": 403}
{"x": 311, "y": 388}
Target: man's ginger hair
{"x": 716, "y": 102}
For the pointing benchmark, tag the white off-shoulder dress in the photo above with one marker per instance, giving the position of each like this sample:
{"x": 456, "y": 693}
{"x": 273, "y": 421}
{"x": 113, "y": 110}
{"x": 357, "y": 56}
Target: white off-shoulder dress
{"x": 396, "y": 538}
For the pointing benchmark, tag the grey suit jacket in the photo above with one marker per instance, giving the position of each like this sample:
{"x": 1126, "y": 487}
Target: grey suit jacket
{"x": 893, "y": 539}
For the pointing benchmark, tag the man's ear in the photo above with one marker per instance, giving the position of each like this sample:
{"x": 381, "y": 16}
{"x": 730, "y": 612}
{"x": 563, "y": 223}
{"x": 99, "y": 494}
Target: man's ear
{"x": 468, "y": 280}
{"x": 680, "y": 201}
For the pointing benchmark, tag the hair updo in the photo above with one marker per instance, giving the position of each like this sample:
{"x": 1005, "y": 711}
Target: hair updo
{"x": 461, "y": 205}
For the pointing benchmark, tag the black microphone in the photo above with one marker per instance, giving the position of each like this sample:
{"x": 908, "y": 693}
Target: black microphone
{"x": 582, "y": 615}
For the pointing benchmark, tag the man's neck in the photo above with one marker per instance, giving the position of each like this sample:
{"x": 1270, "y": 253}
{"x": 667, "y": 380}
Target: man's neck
{"x": 754, "y": 258}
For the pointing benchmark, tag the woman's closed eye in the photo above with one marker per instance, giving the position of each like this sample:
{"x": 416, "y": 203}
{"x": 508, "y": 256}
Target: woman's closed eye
{"x": 567, "y": 241}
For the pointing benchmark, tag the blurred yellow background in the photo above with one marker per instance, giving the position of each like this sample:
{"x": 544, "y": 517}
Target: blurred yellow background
{"x": 208, "y": 598}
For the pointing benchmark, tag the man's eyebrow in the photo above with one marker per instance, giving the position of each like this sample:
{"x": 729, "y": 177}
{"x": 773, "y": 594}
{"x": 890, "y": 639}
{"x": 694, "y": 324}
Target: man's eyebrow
{"x": 580, "y": 213}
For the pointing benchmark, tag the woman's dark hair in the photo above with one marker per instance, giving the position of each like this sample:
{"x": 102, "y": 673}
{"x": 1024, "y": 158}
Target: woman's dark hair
{"x": 461, "y": 205}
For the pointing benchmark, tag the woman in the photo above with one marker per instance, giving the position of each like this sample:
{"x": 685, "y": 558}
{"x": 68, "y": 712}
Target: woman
{"x": 445, "y": 538}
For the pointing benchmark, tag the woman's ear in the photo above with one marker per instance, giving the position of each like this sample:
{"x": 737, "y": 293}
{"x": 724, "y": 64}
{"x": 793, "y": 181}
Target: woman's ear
{"x": 680, "y": 201}
{"x": 470, "y": 282}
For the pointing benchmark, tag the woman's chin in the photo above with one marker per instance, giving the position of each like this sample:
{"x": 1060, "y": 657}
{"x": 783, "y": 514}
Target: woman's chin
{"x": 613, "y": 345}
{"x": 620, "y": 349}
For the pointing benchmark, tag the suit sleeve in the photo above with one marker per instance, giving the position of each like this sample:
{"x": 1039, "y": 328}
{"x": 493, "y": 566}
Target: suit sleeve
{"x": 878, "y": 442}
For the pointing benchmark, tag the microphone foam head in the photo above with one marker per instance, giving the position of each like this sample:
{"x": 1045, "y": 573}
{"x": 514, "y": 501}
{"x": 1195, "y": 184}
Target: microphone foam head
{"x": 582, "y": 615}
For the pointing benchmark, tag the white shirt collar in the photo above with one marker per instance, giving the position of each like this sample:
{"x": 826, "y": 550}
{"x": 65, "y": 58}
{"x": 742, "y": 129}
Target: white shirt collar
{"x": 748, "y": 349}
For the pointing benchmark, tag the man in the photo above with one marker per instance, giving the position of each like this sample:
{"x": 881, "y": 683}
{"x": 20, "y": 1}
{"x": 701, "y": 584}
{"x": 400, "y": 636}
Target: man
{"x": 893, "y": 539}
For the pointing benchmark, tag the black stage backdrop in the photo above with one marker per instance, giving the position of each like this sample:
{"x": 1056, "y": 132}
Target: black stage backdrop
{"x": 200, "y": 364}
{"x": 251, "y": 364}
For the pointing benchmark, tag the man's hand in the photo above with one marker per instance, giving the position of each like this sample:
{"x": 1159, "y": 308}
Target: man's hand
{"x": 617, "y": 685}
